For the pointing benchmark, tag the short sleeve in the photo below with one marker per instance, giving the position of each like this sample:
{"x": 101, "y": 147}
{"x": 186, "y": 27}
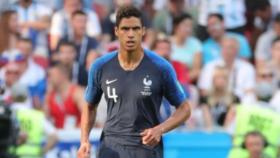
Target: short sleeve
{"x": 244, "y": 50}
{"x": 173, "y": 91}
{"x": 263, "y": 47}
{"x": 93, "y": 25}
{"x": 93, "y": 91}
{"x": 44, "y": 11}
{"x": 197, "y": 46}
{"x": 205, "y": 79}
{"x": 57, "y": 24}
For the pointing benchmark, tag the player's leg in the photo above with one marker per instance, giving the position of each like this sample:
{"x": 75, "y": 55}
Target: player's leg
{"x": 140, "y": 152}
{"x": 107, "y": 150}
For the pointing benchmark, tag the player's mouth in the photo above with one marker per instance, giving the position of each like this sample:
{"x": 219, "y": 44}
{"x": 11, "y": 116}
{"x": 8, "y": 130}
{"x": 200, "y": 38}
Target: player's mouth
{"x": 130, "y": 43}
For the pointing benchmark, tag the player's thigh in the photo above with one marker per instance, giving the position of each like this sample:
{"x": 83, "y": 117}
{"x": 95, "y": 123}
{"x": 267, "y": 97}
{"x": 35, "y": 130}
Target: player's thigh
{"x": 122, "y": 151}
{"x": 108, "y": 151}
{"x": 140, "y": 152}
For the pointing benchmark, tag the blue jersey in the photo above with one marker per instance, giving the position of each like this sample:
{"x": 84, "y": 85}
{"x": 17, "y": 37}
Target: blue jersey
{"x": 133, "y": 97}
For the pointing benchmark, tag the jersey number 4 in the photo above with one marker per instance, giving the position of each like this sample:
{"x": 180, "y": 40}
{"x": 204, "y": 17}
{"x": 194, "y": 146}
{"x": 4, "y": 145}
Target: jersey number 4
{"x": 112, "y": 94}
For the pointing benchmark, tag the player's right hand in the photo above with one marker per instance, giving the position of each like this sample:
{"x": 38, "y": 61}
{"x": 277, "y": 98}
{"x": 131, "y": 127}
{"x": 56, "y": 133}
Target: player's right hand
{"x": 84, "y": 150}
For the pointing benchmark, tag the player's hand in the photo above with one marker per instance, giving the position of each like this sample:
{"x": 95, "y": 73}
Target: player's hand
{"x": 151, "y": 136}
{"x": 84, "y": 150}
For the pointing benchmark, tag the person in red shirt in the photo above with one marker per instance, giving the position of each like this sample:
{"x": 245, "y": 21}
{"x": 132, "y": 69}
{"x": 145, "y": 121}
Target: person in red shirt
{"x": 64, "y": 99}
{"x": 162, "y": 47}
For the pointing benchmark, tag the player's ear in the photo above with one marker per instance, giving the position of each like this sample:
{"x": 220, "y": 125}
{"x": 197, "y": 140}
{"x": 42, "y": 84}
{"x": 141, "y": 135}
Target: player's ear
{"x": 116, "y": 31}
{"x": 143, "y": 31}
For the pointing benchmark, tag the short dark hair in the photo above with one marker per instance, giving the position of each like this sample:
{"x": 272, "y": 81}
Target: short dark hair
{"x": 255, "y": 133}
{"x": 275, "y": 40}
{"x": 217, "y": 15}
{"x": 178, "y": 19}
{"x": 78, "y": 12}
{"x": 258, "y": 5}
{"x": 127, "y": 12}
{"x": 65, "y": 43}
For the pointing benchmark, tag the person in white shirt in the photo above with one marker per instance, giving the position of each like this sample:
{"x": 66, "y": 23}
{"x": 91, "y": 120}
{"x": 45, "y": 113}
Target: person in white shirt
{"x": 34, "y": 20}
{"x": 232, "y": 10}
{"x": 242, "y": 74}
{"x": 61, "y": 27}
{"x": 265, "y": 41}
{"x": 32, "y": 75}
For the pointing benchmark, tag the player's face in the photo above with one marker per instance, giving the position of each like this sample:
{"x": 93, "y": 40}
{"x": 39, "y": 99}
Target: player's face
{"x": 130, "y": 32}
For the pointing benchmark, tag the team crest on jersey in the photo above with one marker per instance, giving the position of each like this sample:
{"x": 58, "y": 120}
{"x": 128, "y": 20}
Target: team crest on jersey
{"x": 147, "y": 86}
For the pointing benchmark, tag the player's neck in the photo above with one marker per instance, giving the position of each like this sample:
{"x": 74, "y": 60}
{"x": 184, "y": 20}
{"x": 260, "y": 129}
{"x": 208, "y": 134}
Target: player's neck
{"x": 130, "y": 60}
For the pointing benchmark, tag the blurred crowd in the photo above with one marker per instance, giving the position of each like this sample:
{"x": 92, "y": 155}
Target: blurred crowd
{"x": 225, "y": 53}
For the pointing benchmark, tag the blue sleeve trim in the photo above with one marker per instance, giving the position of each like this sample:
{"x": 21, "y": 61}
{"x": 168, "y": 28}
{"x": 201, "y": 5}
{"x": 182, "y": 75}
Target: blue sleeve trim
{"x": 172, "y": 89}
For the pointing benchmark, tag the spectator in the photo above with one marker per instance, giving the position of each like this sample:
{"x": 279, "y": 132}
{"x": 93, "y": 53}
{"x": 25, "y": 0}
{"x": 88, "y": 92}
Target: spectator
{"x": 232, "y": 10}
{"x": 186, "y": 48}
{"x": 242, "y": 74}
{"x": 34, "y": 21}
{"x": 263, "y": 47}
{"x": 275, "y": 50}
{"x": 265, "y": 84}
{"x": 274, "y": 102}
{"x": 163, "y": 19}
{"x": 61, "y": 22}
{"x": 163, "y": 48}
{"x": 34, "y": 124}
{"x": 216, "y": 29}
{"x": 262, "y": 11}
{"x": 11, "y": 76}
{"x": 148, "y": 8}
{"x": 259, "y": 19}
{"x": 64, "y": 99}
{"x": 275, "y": 60}
{"x": 84, "y": 44}
{"x": 8, "y": 31}
{"x": 33, "y": 75}
{"x": 67, "y": 56}
{"x": 255, "y": 143}
{"x": 219, "y": 101}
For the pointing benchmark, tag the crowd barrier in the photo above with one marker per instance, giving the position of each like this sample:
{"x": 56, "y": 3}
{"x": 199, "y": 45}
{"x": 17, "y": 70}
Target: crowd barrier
{"x": 177, "y": 144}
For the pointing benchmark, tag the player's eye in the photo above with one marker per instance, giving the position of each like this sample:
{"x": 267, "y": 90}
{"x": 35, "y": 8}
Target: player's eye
{"x": 125, "y": 28}
{"x": 137, "y": 28}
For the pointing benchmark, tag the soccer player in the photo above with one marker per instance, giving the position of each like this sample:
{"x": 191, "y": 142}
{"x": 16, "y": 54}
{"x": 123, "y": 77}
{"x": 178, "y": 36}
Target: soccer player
{"x": 134, "y": 81}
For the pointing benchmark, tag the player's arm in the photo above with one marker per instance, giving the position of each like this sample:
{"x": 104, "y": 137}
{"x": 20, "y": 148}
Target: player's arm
{"x": 87, "y": 121}
{"x": 152, "y": 136}
{"x": 174, "y": 93}
{"x": 93, "y": 95}
{"x": 181, "y": 114}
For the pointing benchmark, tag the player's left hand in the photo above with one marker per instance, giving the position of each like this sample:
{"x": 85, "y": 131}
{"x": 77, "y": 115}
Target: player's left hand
{"x": 151, "y": 136}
